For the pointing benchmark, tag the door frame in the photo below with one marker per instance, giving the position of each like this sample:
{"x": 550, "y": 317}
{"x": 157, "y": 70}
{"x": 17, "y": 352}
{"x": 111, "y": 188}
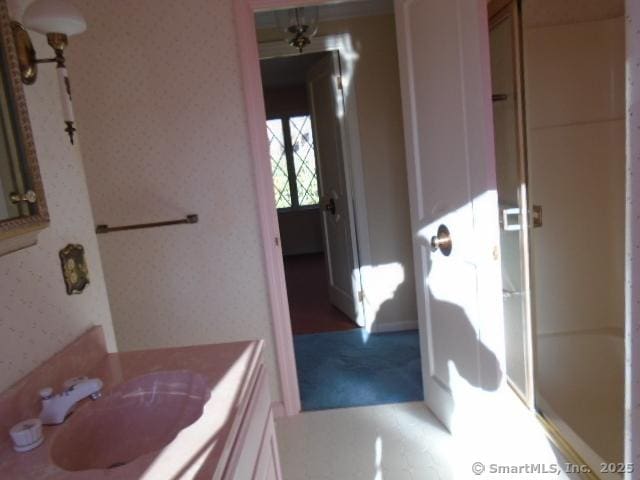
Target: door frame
{"x": 244, "y": 11}
{"x": 352, "y": 154}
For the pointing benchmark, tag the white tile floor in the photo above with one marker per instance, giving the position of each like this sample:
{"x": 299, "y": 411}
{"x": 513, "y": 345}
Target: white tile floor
{"x": 403, "y": 442}
{"x": 386, "y": 442}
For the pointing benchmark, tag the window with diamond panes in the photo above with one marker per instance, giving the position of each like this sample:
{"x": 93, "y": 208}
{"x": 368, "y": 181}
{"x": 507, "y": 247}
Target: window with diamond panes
{"x": 304, "y": 160}
{"x": 293, "y": 161}
{"x": 279, "y": 171}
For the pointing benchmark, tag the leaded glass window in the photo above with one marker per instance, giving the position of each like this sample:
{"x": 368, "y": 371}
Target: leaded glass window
{"x": 293, "y": 161}
{"x": 279, "y": 170}
{"x": 304, "y": 160}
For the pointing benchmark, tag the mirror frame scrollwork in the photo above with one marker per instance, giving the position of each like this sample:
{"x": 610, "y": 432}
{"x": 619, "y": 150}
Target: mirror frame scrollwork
{"x": 20, "y": 232}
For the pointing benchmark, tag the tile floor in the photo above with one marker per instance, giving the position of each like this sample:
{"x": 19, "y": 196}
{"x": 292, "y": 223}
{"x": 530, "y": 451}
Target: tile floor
{"x": 403, "y": 442}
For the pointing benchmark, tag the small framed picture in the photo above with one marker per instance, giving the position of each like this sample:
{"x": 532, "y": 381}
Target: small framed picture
{"x": 74, "y": 268}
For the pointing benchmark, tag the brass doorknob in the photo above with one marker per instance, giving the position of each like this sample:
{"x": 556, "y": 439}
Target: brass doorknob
{"x": 330, "y": 206}
{"x": 442, "y": 241}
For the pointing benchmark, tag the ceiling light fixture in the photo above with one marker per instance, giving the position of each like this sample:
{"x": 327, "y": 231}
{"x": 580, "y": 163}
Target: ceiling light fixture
{"x": 299, "y": 25}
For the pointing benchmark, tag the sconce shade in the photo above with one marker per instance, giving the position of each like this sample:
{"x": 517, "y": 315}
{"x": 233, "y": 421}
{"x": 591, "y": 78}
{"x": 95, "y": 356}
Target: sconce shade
{"x": 54, "y": 16}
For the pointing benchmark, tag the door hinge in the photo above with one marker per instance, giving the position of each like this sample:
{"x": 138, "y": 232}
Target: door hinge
{"x": 339, "y": 80}
{"x": 361, "y": 296}
{"x": 277, "y": 240}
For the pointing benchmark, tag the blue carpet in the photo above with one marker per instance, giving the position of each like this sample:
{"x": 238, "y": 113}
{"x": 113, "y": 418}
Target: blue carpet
{"x": 347, "y": 369}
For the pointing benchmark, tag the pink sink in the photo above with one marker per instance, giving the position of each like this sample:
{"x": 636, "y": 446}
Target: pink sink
{"x": 135, "y": 418}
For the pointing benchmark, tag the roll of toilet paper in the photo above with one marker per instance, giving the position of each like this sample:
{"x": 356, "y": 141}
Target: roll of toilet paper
{"x": 27, "y": 435}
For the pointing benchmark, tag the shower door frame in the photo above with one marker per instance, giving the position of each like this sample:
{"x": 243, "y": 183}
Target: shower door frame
{"x": 499, "y": 11}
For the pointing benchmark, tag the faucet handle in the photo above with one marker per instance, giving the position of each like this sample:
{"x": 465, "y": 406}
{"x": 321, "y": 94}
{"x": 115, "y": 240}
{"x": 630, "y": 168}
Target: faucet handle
{"x": 46, "y": 393}
{"x": 72, "y": 382}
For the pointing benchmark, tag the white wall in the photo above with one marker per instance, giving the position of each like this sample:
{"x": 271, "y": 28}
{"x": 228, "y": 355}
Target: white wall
{"x": 162, "y": 120}
{"x": 37, "y": 317}
{"x": 372, "y": 65}
{"x": 632, "y": 342}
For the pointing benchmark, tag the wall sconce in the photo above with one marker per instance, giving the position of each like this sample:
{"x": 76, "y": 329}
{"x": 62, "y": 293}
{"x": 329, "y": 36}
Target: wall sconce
{"x": 57, "y": 19}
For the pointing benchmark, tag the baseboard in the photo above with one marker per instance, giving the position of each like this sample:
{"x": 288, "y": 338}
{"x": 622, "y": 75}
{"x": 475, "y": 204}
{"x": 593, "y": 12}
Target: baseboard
{"x": 278, "y": 409}
{"x": 393, "y": 326}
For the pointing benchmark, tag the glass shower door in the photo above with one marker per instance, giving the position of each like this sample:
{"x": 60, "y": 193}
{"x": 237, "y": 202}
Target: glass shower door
{"x": 512, "y": 195}
{"x": 563, "y": 295}
{"x": 574, "y": 65}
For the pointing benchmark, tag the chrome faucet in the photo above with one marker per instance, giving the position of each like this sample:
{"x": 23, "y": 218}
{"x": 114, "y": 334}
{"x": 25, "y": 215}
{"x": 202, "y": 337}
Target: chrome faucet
{"x": 55, "y": 408}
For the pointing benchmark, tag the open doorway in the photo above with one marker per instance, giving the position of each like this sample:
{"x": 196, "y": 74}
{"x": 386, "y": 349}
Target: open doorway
{"x": 336, "y": 146}
{"x": 318, "y": 242}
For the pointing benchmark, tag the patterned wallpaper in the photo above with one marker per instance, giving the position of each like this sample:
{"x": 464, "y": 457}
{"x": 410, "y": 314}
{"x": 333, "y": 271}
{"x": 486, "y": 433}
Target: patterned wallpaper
{"x": 633, "y": 246}
{"x": 37, "y": 317}
{"x": 161, "y": 117}
{"x": 540, "y": 13}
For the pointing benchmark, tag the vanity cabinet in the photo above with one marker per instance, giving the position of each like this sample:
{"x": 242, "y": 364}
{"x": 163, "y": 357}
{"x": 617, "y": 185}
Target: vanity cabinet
{"x": 255, "y": 451}
{"x": 226, "y": 384}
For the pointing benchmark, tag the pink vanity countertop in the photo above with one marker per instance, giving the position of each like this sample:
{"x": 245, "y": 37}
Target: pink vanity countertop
{"x": 199, "y": 451}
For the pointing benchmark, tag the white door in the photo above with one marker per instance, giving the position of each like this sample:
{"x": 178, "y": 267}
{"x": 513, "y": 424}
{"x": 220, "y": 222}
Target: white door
{"x": 446, "y": 92}
{"x": 327, "y": 106}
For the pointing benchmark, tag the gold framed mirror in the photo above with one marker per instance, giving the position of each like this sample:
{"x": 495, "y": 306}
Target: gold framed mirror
{"x": 23, "y": 208}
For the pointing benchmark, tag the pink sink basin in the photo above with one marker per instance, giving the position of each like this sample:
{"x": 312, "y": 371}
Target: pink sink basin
{"x": 137, "y": 417}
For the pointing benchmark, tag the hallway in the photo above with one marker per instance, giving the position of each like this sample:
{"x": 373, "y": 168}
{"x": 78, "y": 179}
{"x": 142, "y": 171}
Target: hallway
{"x": 309, "y": 304}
